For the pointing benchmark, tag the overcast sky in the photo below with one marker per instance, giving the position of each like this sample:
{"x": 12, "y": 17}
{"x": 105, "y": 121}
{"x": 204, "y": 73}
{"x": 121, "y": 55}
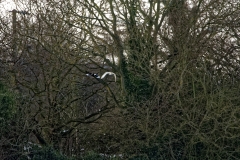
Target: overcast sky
{"x": 6, "y": 6}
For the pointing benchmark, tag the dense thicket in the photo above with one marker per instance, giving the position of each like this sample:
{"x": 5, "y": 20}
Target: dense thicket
{"x": 177, "y": 89}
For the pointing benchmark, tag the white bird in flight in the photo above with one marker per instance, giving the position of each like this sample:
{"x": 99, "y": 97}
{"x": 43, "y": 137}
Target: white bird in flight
{"x": 104, "y": 75}
{"x": 109, "y": 73}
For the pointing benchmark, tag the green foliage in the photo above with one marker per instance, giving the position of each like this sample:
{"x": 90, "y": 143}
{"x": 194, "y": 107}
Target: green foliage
{"x": 93, "y": 156}
{"x": 138, "y": 88}
{"x": 47, "y": 153}
{"x": 7, "y": 105}
{"x": 147, "y": 153}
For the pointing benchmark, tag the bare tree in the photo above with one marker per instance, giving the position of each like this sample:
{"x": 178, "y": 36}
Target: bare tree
{"x": 176, "y": 63}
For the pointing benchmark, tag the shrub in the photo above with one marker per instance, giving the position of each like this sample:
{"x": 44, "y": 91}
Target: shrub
{"x": 7, "y": 107}
{"x": 46, "y": 153}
